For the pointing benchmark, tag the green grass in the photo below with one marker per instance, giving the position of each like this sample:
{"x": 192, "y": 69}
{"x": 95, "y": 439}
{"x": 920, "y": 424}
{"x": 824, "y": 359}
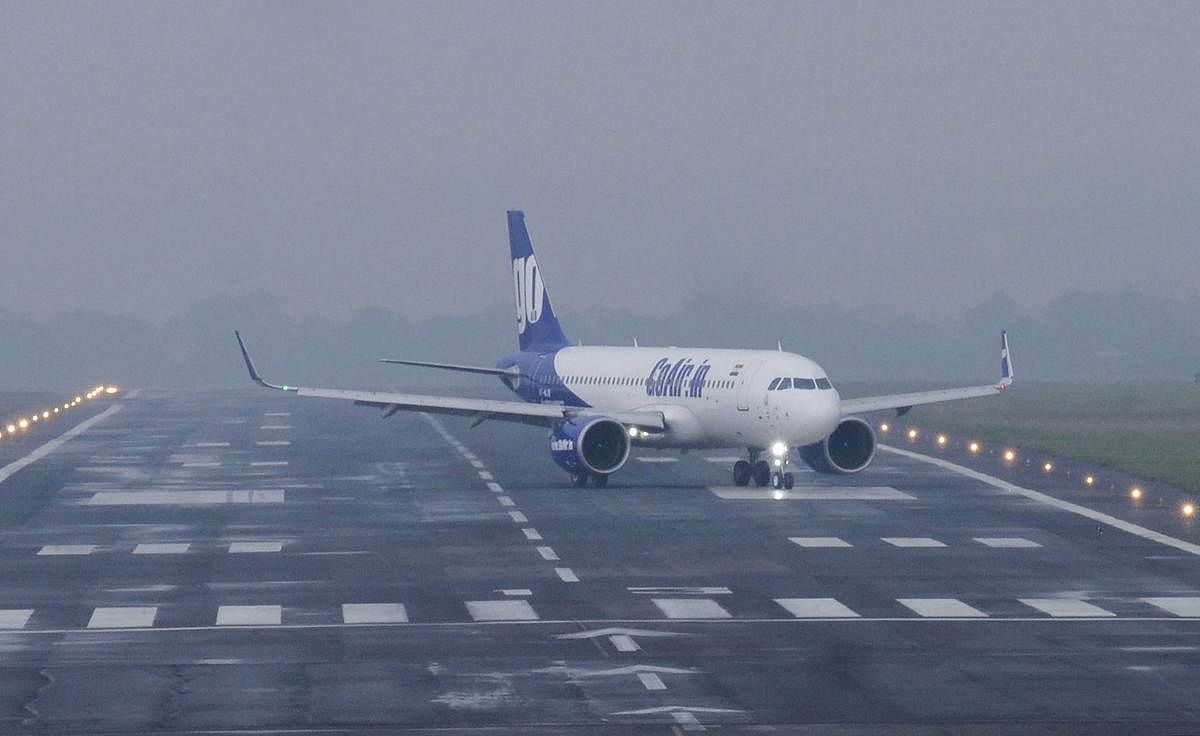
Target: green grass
{"x": 1148, "y": 430}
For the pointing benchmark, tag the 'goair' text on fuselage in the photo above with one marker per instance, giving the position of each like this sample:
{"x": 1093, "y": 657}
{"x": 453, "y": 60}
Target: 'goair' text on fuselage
{"x": 681, "y": 378}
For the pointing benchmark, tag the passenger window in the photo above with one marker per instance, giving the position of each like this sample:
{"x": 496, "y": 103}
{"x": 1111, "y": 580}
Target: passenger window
{"x": 784, "y": 384}
{"x": 804, "y": 383}
{"x": 774, "y": 384}
{"x": 823, "y": 383}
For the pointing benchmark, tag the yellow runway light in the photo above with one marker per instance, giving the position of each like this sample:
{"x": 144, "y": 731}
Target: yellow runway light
{"x": 1135, "y": 493}
{"x": 912, "y": 434}
{"x": 1089, "y": 479}
{"x": 23, "y": 424}
{"x": 1048, "y": 467}
{"x": 1009, "y": 456}
{"x": 11, "y": 428}
{"x": 1189, "y": 510}
{"x": 45, "y": 415}
{"x": 942, "y": 440}
{"x": 974, "y": 448}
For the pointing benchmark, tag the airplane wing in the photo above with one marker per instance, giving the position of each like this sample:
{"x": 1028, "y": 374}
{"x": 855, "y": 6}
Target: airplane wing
{"x": 485, "y": 370}
{"x": 903, "y": 402}
{"x": 479, "y": 409}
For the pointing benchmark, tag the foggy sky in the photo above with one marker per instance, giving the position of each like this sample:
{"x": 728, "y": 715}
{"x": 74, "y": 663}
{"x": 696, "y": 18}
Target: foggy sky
{"x": 910, "y": 158}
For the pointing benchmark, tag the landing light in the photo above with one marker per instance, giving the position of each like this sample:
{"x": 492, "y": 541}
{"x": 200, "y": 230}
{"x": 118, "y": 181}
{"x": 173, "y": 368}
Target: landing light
{"x": 1188, "y": 510}
{"x": 633, "y": 432}
{"x": 1135, "y": 493}
{"x": 912, "y": 434}
{"x": 974, "y": 448}
{"x": 779, "y": 449}
{"x": 1009, "y": 456}
{"x": 884, "y": 427}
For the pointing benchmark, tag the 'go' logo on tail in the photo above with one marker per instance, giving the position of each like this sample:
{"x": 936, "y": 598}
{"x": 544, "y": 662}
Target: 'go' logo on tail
{"x": 530, "y": 292}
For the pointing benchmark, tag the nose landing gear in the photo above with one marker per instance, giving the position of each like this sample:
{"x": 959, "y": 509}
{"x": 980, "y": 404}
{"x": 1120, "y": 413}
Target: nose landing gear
{"x": 760, "y": 472}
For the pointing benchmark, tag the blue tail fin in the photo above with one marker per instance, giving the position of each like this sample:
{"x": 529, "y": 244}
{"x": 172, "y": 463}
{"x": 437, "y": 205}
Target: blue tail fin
{"x": 537, "y": 327}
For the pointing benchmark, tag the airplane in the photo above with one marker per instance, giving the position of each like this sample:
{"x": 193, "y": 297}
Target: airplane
{"x": 599, "y": 402}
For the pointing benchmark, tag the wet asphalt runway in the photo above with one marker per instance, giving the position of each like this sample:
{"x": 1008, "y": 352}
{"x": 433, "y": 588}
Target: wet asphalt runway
{"x": 252, "y": 562}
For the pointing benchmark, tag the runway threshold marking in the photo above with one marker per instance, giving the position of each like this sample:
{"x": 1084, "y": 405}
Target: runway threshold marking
{"x": 15, "y": 618}
{"x": 532, "y": 534}
{"x": 1180, "y": 606}
{"x": 49, "y": 447}
{"x": 816, "y": 608}
{"x": 941, "y": 607}
{"x": 1007, "y": 542}
{"x": 690, "y": 608}
{"x": 123, "y": 618}
{"x": 1066, "y": 607}
{"x": 1102, "y": 518}
{"x": 249, "y": 615}
{"x": 53, "y": 550}
{"x": 374, "y": 613}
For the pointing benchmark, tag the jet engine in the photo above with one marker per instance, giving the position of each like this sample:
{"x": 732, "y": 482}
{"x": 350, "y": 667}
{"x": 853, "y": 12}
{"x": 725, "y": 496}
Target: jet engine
{"x": 590, "y": 445}
{"x": 848, "y": 450}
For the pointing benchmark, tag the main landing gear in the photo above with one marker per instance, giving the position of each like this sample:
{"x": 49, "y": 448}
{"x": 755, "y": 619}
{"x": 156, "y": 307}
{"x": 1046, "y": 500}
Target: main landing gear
{"x": 760, "y": 471}
{"x": 599, "y": 480}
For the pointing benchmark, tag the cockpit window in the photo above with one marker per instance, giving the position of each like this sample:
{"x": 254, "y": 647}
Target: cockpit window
{"x": 804, "y": 383}
{"x": 784, "y": 383}
{"x": 823, "y": 383}
{"x": 774, "y": 384}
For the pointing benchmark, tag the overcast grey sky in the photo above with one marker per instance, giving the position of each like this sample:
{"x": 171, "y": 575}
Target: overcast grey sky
{"x": 918, "y": 157}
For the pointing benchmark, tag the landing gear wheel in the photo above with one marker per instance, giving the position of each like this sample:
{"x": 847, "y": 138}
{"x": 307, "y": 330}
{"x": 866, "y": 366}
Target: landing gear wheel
{"x": 600, "y": 480}
{"x": 579, "y": 480}
{"x": 777, "y": 480}
{"x": 741, "y": 473}
{"x": 789, "y": 480}
{"x": 762, "y": 473}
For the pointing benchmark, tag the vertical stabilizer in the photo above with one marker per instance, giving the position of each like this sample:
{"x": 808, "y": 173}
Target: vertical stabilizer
{"x": 537, "y": 325}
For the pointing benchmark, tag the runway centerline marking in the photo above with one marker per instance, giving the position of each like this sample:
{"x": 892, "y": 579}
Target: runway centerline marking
{"x": 505, "y": 501}
{"x": 532, "y": 534}
{"x": 255, "y": 547}
{"x": 268, "y": 463}
{"x": 817, "y": 542}
{"x": 57, "y": 442}
{"x": 547, "y": 553}
{"x": 1125, "y": 526}
{"x": 272, "y": 443}
{"x": 519, "y": 517}
{"x": 212, "y": 444}
{"x": 162, "y": 549}
{"x": 913, "y": 542}
{"x": 54, "y": 550}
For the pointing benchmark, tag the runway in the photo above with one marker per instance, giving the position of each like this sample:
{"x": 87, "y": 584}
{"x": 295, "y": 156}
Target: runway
{"x": 243, "y": 561}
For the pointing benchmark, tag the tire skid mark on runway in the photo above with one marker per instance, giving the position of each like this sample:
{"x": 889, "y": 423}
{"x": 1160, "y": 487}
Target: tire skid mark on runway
{"x": 565, "y": 574}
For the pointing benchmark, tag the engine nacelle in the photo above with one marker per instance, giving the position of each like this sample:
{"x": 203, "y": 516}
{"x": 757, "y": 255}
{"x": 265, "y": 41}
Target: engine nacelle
{"x": 848, "y": 450}
{"x": 590, "y": 445}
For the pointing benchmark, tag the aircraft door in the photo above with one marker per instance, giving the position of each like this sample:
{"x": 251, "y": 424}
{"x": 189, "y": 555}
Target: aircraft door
{"x": 746, "y": 383}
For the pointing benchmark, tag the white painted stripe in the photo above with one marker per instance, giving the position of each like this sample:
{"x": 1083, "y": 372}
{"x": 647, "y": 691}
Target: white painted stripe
{"x": 272, "y": 443}
{"x": 657, "y": 459}
{"x": 374, "y": 613}
{"x": 1180, "y": 606}
{"x": 532, "y": 534}
{"x": 478, "y": 465}
{"x": 651, "y": 681}
{"x": 816, "y": 608}
{"x": 912, "y": 542}
{"x": 680, "y": 589}
{"x": 249, "y": 615}
{"x": 57, "y": 442}
{"x": 687, "y": 720}
{"x": 505, "y": 501}
{"x": 268, "y": 463}
{"x": 485, "y": 475}
{"x": 202, "y": 465}
{"x": 690, "y": 608}
{"x": 162, "y": 549}
{"x": 123, "y": 618}
{"x": 501, "y": 611}
{"x": 623, "y": 643}
{"x": 181, "y": 498}
{"x": 826, "y": 493}
{"x": 819, "y": 541}
{"x": 1007, "y": 542}
{"x": 212, "y": 444}
{"x": 1066, "y": 607}
{"x": 566, "y": 574}
{"x": 1125, "y": 526}
{"x": 67, "y": 549}
{"x": 515, "y": 592}
{"x": 518, "y": 517}
{"x": 276, "y": 426}
{"x": 724, "y": 459}
{"x": 255, "y": 547}
{"x": 941, "y": 608}
{"x": 15, "y": 618}
{"x": 278, "y": 414}
{"x": 547, "y": 553}
{"x": 495, "y": 488}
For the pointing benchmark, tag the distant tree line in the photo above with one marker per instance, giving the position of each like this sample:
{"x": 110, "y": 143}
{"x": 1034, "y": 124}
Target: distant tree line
{"x": 1079, "y": 337}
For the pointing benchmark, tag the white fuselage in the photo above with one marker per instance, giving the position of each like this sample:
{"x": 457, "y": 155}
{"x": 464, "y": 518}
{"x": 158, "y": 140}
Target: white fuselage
{"x": 709, "y": 397}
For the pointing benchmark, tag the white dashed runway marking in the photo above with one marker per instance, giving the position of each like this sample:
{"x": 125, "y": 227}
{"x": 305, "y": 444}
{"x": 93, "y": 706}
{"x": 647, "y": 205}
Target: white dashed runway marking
{"x": 162, "y": 549}
{"x": 15, "y": 618}
{"x": 819, "y": 541}
{"x": 690, "y": 608}
{"x": 249, "y": 615}
{"x": 1007, "y": 542}
{"x": 651, "y": 681}
{"x": 268, "y": 463}
{"x": 212, "y": 464}
{"x": 518, "y": 517}
{"x": 532, "y": 535}
{"x": 913, "y": 542}
{"x": 275, "y": 427}
{"x": 182, "y": 498}
{"x": 374, "y": 613}
{"x": 255, "y": 547}
{"x": 67, "y": 549}
{"x": 816, "y": 608}
{"x": 505, "y": 501}
{"x": 941, "y": 608}
{"x": 123, "y": 618}
{"x": 501, "y": 611}
{"x": 212, "y": 444}
{"x": 566, "y": 575}
{"x": 657, "y": 459}
{"x": 495, "y": 488}
{"x": 272, "y": 443}
{"x": 278, "y": 414}
{"x": 1066, "y": 607}
{"x": 1187, "y": 607}
{"x": 547, "y": 553}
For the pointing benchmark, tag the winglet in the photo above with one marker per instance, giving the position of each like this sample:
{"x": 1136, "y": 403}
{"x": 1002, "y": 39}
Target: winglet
{"x": 250, "y": 367}
{"x": 1006, "y": 367}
